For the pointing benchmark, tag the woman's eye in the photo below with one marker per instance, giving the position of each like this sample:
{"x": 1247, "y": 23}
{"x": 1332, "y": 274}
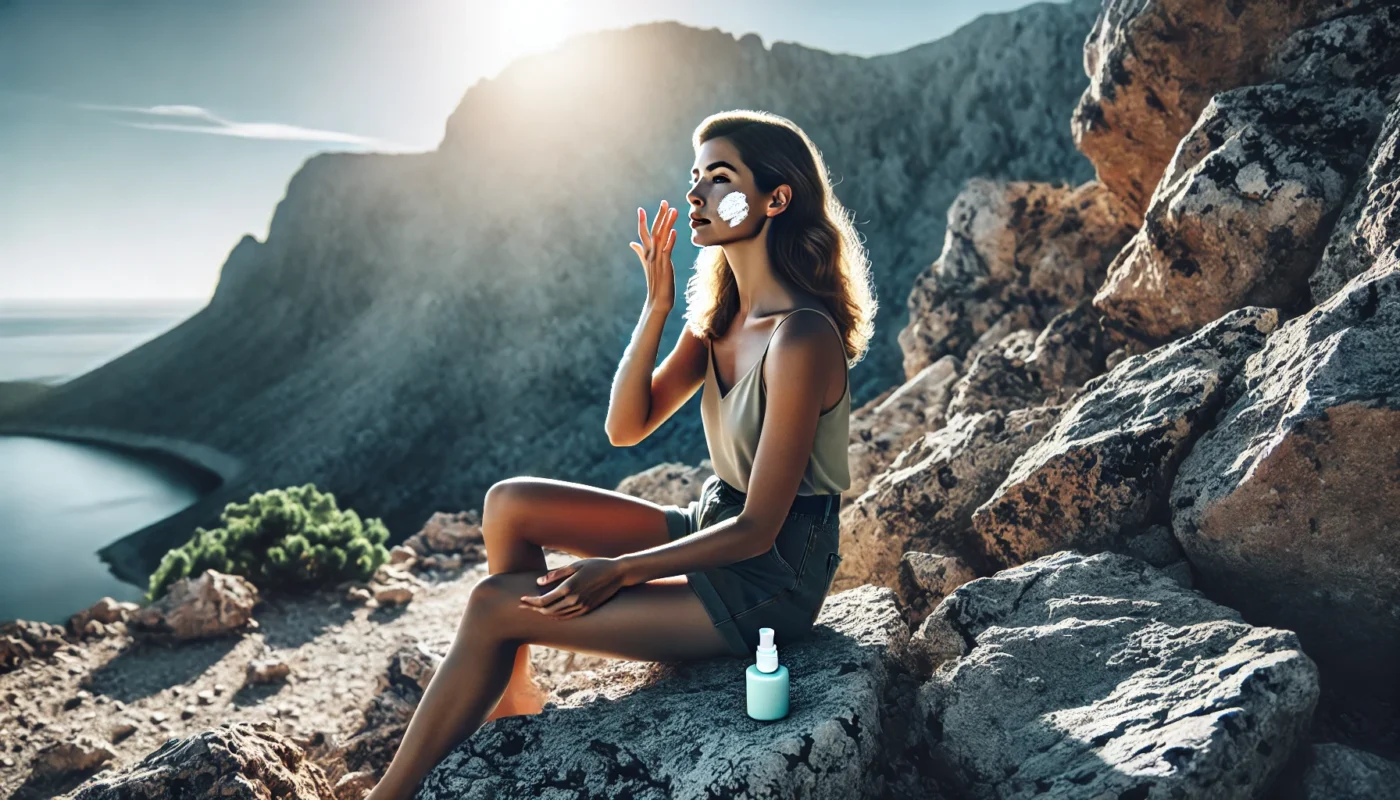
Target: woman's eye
{"x": 719, "y": 178}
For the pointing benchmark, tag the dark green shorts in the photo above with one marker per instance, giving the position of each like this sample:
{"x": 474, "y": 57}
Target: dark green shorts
{"x": 782, "y": 589}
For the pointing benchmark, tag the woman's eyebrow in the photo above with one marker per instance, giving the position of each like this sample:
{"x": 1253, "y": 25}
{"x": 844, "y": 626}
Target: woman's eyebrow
{"x": 716, "y": 165}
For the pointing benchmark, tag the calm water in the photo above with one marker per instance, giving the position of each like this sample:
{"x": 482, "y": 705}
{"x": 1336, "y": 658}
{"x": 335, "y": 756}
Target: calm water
{"x": 53, "y": 341}
{"x": 61, "y": 501}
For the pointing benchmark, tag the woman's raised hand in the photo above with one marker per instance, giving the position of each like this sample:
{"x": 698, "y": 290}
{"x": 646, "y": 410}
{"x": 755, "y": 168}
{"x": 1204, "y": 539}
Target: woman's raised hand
{"x": 654, "y": 250}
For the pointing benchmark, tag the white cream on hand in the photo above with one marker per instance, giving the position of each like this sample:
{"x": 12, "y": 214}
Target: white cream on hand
{"x": 734, "y": 208}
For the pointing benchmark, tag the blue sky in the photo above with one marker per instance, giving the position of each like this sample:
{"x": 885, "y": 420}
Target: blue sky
{"x": 140, "y": 139}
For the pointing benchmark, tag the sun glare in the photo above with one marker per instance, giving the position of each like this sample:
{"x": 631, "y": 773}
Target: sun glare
{"x": 514, "y": 28}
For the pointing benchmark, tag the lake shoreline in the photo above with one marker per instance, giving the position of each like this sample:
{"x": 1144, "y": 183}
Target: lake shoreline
{"x": 126, "y": 555}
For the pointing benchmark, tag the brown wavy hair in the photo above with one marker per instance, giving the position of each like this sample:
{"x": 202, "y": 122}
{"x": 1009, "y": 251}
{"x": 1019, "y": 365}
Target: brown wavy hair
{"x": 813, "y": 244}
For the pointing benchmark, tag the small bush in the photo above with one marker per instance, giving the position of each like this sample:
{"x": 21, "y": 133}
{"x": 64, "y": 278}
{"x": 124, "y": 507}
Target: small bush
{"x": 281, "y": 539}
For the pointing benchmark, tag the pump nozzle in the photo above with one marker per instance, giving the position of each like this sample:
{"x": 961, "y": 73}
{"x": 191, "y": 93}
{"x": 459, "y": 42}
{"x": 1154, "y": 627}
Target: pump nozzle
{"x": 767, "y": 653}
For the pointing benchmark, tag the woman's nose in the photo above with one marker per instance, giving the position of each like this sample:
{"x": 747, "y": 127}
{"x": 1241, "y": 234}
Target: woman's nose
{"x": 694, "y": 199}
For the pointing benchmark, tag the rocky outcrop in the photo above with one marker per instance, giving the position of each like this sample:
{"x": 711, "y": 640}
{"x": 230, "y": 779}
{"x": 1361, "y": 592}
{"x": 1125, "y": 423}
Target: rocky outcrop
{"x": 1014, "y": 255}
{"x": 1251, "y": 193}
{"x": 1244, "y": 209}
{"x": 465, "y": 335}
{"x": 1369, "y": 225}
{"x": 1028, "y": 369}
{"x": 1104, "y": 469}
{"x": 210, "y": 604}
{"x": 1098, "y": 676}
{"x": 1153, "y": 65}
{"x": 241, "y": 761}
{"x": 687, "y": 736}
{"x": 882, "y": 429}
{"x": 1287, "y": 509}
{"x": 925, "y": 500}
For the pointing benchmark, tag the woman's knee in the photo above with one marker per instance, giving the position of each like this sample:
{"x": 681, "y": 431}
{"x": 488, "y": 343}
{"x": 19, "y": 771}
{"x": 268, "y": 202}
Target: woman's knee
{"x": 495, "y": 600}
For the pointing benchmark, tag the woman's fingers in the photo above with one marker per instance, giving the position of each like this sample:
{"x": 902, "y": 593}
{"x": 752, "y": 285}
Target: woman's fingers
{"x": 660, "y": 220}
{"x": 642, "y": 227}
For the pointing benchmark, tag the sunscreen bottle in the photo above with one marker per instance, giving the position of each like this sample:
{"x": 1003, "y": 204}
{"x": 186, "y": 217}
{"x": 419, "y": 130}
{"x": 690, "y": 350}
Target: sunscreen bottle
{"x": 767, "y": 681}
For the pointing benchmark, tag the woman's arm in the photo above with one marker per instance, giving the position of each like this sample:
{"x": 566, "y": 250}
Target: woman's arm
{"x": 798, "y": 366}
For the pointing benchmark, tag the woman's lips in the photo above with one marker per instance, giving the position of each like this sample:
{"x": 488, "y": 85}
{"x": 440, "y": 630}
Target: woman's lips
{"x": 695, "y": 223}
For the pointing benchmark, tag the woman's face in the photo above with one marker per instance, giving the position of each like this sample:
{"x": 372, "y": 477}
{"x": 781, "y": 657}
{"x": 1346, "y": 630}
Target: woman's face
{"x": 725, "y": 204}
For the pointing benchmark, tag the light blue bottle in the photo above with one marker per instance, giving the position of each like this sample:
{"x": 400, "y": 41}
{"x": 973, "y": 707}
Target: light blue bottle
{"x": 767, "y": 681}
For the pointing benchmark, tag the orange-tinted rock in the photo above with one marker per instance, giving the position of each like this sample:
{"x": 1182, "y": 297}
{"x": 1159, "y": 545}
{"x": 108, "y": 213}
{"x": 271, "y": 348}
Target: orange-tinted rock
{"x": 1153, "y": 65}
{"x": 212, "y": 604}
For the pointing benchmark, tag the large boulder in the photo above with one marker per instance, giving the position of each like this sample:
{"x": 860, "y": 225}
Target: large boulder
{"x": 1289, "y": 508}
{"x": 1014, "y": 255}
{"x": 1244, "y": 209}
{"x": 925, "y": 500}
{"x": 681, "y": 731}
{"x": 240, "y": 761}
{"x": 211, "y": 604}
{"x": 1101, "y": 677}
{"x": 1104, "y": 470}
{"x": 1154, "y": 64}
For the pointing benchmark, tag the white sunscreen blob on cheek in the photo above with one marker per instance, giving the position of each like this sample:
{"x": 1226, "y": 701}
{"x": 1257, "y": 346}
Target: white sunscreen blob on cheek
{"x": 734, "y": 208}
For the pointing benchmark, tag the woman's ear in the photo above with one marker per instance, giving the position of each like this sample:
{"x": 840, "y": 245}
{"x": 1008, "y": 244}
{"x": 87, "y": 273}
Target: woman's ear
{"x": 780, "y": 200}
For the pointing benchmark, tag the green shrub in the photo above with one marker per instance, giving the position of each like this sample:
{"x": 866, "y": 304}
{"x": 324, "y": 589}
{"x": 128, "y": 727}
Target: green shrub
{"x": 281, "y": 539}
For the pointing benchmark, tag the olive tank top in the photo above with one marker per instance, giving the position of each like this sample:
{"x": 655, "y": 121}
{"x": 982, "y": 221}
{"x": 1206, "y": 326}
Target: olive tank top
{"x": 732, "y": 422}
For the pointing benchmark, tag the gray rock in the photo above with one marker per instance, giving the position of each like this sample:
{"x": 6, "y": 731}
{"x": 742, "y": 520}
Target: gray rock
{"x": 1288, "y": 508}
{"x": 670, "y": 483}
{"x": 881, "y": 431}
{"x": 1369, "y": 225}
{"x": 684, "y": 733}
{"x": 1105, "y": 468}
{"x": 924, "y": 501}
{"x": 1336, "y": 771}
{"x": 1030, "y": 369}
{"x": 1099, "y": 676}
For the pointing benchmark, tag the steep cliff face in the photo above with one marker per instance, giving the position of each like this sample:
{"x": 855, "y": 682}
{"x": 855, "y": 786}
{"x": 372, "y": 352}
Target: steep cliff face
{"x": 419, "y": 326}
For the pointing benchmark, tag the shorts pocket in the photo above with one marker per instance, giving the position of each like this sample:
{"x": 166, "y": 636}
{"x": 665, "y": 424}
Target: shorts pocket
{"x": 833, "y": 562}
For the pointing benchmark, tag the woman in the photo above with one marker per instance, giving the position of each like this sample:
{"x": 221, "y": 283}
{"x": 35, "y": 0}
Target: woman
{"x": 759, "y": 547}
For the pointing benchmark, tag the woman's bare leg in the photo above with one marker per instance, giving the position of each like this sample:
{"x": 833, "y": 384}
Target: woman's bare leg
{"x": 521, "y": 516}
{"x": 654, "y": 621}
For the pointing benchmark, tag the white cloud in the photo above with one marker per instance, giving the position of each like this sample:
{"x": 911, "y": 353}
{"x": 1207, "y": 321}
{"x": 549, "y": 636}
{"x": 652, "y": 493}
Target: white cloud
{"x": 218, "y": 126}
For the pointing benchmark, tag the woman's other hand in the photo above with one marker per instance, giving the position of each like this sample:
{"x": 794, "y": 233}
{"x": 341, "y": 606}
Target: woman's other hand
{"x": 588, "y": 583}
{"x": 654, "y": 250}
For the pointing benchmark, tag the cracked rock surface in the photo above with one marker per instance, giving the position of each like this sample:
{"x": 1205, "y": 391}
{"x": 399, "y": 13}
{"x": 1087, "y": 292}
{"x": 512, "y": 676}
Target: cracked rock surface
{"x": 1104, "y": 470}
{"x": 682, "y": 731}
{"x": 1100, "y": 676}
{"x": 1287, "y": 509}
